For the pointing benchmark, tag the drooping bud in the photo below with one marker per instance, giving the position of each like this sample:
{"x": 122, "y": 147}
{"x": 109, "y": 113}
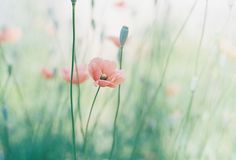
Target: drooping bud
{"x": 123, "y": 35}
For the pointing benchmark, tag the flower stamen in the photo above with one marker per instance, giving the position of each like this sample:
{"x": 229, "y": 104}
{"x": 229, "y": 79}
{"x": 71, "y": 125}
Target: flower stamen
{"x": 103, "y": 77}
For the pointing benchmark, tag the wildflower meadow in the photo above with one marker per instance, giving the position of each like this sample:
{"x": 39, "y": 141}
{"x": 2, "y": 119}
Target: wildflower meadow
{"x": 117, "y": 80}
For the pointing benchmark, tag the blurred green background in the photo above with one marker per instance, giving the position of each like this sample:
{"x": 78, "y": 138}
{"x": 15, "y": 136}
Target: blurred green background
{"x": 178, "y": 100}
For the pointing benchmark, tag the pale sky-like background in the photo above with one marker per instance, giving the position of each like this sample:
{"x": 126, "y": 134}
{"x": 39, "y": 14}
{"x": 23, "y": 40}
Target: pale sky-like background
{"x": 138, "y": 13}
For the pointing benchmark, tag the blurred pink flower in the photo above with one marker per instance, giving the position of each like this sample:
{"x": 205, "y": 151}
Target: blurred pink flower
{"x": 115, "y": 40}
{"x": 10, "y": 35}
{"x": 172, "y": 90}
{"x": 120, "y": 4}
{"x": 228, "y": 48}
{"x": 80, "y": 74}
{"x": 105, "y": 74}
{"x": 47, "y": 73}
{"x": 50, "y": 30}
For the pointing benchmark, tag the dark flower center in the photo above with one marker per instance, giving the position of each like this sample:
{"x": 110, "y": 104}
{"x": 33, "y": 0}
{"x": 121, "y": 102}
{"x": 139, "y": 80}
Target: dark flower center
{"x": 103, "y": 77}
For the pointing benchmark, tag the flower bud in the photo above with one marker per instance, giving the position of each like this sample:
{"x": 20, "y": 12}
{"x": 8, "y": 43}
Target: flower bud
{"x": 123, "y": 35}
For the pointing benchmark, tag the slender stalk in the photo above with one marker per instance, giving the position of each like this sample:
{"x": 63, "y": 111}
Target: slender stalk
{"x": 5, "y": 141}
{"x": 101, "y": 113}
{"x": 190, "y": 105}
{"x": 175, "y": 40}
{"x": 121, "y": 56}
{"x": 3, "y": 55}
{"x": 5, "y": 138}
{"x": 78, "y": 98}
{"x": 115, "y": 124}
{"x": 88, "y": 120}
{"x": 201, "y": 38}
{"x": 18, "y": 89}
{"x": 79, "y": 112}
{"x": 117, "y": 109}
{"x": 71, "y": 87}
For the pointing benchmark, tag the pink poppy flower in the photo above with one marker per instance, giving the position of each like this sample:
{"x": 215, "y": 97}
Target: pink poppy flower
{"x": 120, "y": 4}
{"x": 50, "y": 29}
{"x": 105, "y": 73}
{"x": 47, "y": 74}
{"x": 80, "y": 74}
{"x": 10, "y": 35}
{"x": 172, "y": 90}
{"x": 115, "y": 40}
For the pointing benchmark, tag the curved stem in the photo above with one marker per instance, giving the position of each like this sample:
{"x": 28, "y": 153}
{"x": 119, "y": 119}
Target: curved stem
{"x": 100, "y": 114}
{"x": 79, "y": 113}
{"x": 71, "y": 87}
{"x": 78, "y": 98}
{"x": 88, "y": 120}
{"x": 190, "y": 105}
{"x": 117, "y": 109}
{"x": 6, "y": 137}
{"x": 115, "y": 125}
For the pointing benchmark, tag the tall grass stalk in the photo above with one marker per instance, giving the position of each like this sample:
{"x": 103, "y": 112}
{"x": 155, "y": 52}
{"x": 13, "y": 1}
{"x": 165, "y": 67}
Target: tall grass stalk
{"x": 71, "y": 85}
{"x": 123, "y": 37}
{"x": 5, "y": 137}
{"x": 18, "y": 89}
{"x": 117, "y": 109}
{"x": 78, "y": 101}
{"x": 195, "y": 74}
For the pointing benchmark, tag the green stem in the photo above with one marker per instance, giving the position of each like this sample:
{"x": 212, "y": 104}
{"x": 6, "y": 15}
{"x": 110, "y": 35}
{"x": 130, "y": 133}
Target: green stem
{"x": 18, "y": 89}
{"x": 117, "y": 109}
{"x": 115, "y": 125}
{"x": 121, "y": 56}
{"x": 80, "y": 115}
{"x": 6, "y": 142}
{"x": 71, "y": 87}
{"x": 101, "y": 113}
{"x": 88, "y": 120}
{"x": 3, "y": 55}
{"x": 79, "y": 106}
{"x": 5, "y": 136}
{"x": 189, "y": 109}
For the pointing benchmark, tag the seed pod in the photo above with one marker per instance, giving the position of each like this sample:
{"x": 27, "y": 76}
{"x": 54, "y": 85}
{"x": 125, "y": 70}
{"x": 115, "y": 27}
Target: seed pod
{"x": 123, "y": 35}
